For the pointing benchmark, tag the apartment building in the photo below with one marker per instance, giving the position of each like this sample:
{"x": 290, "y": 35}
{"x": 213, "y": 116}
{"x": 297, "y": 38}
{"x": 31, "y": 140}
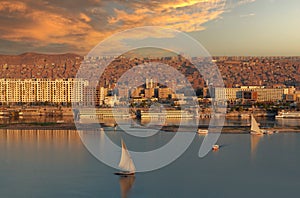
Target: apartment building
{"x": 42, "y": 90}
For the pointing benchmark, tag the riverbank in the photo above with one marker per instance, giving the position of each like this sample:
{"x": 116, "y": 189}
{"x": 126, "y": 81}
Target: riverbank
{"x": 39, "y": 126}
{"x": 173, "y": 128}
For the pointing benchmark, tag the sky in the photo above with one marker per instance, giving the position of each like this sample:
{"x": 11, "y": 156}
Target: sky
{"x": 223, "y": 27}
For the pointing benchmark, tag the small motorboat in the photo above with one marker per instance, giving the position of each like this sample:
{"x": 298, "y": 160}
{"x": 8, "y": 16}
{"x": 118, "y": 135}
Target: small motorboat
{"x": 202, "y": 131}
{"x": 267, "y": 132}
{"x": 215, "y": 147}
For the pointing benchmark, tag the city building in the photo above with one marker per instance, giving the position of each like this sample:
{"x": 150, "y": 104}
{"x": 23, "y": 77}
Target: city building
{"x": 164, "y": 92}
{"x": 149, "y": 92}
{"x": 90, "y": 96}
{"x": 42, "y": 90}
{"x": 255, "y": 93}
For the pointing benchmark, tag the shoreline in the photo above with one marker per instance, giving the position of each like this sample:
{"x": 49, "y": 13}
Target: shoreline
{"x": 171, "y": 128}
{"x": 39, "y": 126}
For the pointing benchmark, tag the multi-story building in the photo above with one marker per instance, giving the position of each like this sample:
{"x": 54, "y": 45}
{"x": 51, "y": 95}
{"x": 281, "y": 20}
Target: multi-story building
{"x": 149, "y": 92}
{"x": 90, "y": 96}
{"x": 42, "y": 90}
{"x": 123, "y": 92}
{"x": 257, "y": 93}
{"x": 136, "y": 92}
{"x": 229, "y": 94}
{"x": 164, "y": 93}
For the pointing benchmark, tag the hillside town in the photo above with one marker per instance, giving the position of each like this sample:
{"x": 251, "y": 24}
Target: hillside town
{"x": 264, "y": 83}
{"x": 236, "y": 71}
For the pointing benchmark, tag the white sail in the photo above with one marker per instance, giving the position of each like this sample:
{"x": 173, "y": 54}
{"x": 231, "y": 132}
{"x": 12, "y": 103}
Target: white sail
{"x": 126, "y": 162}
{"x": 254, "y": 126}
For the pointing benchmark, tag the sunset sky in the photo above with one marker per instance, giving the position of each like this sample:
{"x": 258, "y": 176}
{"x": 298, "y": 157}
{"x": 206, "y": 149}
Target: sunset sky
{"x": 223, "y": 27}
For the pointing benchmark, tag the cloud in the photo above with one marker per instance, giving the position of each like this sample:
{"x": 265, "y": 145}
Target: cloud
{"x": 12, "y": 7}
{"x": 84, "y": 17}
{"x": 81, "y": 24}
{"x": 180, "y": 14}
{"x": 247, "y": 15}
{"x": 42, "y": 27}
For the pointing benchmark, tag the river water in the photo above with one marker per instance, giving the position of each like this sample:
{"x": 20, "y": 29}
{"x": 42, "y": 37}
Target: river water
{"x": 264, "y": 121}
{"x": 50, "y": 163}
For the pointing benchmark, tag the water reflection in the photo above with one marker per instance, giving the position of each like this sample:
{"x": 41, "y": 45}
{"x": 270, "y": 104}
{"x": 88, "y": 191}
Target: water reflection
{"x": 126, "y": 183}
{"x": 288, "y": 122}
{"x": 169, "y": 121}
{"x": 39, "y": 138}
{"x": 255, "y": 139}
{"x": 45, "y": 163}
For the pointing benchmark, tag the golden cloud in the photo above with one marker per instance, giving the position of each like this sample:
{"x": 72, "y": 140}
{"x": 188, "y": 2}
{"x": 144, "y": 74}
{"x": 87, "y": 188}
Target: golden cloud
{"x": 44, "y": 23}
{"x": 43, "y": 27}
{"x": 12, "y": 7}
{"x": 181, "y": 14}
{"x": 85, "y": 17}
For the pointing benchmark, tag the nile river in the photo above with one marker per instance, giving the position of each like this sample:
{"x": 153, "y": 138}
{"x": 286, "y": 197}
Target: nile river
{"x": 41, "y": 163}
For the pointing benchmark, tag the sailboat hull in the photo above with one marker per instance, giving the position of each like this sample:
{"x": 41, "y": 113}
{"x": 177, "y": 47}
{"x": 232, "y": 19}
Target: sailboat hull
{"x": 255, "y": 133}
{"x": 124, "y": 174}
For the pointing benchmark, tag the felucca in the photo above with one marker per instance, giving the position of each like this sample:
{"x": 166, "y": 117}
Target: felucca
{"x": 126, "y": 164}
{"x": 255, "y": 130}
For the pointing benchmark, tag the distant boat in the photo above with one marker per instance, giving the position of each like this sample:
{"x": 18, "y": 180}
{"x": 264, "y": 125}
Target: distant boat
{"x": 255, "y": 130}
{"x": 288, "y": 114}
{"x": 244, "y": 116}
{"x": 215, "y": 147}
{"x": 202, "y": 131}
{"x": 126, "y": 164}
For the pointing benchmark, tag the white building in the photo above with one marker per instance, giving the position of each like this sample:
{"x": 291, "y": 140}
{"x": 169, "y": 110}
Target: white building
{"x": 263, "y": 94}
{"x": 42, "y": 90}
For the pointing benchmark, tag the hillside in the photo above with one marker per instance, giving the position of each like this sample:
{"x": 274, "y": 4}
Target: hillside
{"x": 34, "y": 65}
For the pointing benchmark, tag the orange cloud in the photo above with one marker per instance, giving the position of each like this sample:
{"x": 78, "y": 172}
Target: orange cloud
{"x": 82, "y": 26}
{"x": 85, "y": 17}
{"x": 12, "y": 7}
{"x": 44, "y": 27}
{"x": 180, "y": 14}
